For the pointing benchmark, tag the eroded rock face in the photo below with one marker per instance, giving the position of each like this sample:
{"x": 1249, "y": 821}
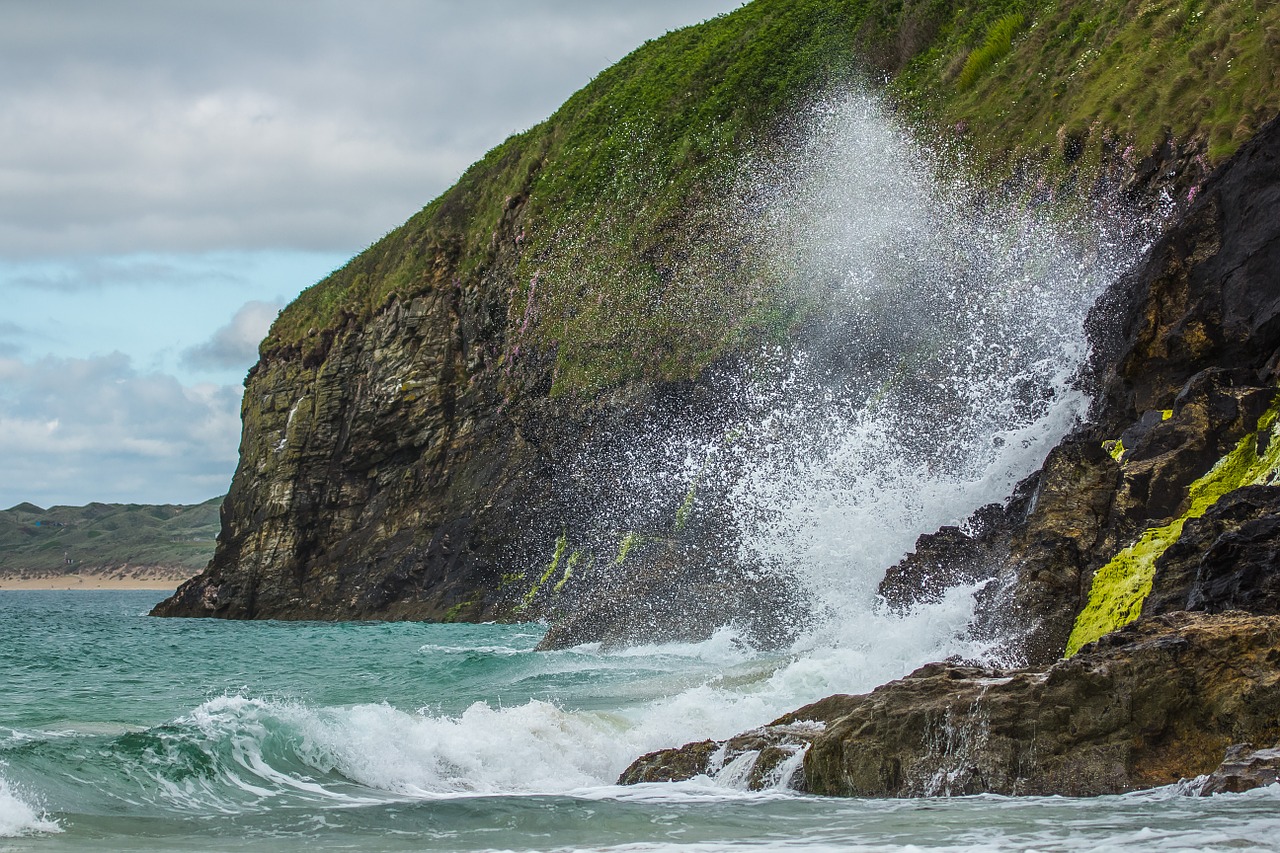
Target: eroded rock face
{"x": 409, "y": 465}
{"x": 1228, "y": 559}
{"x": 1185, "y": 360}
{"x": 1157, "y": 702}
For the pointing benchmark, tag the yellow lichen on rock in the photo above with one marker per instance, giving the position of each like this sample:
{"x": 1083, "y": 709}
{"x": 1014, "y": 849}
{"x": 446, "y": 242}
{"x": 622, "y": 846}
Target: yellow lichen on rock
{"x": 1114, "y": 447}
{"x": 1122, "y": 585}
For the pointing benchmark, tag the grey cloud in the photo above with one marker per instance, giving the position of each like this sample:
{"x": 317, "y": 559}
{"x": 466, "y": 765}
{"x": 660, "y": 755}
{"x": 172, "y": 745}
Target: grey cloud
{"x": 10, "y": 334}
{"x": 235, "y": 344}
{"x": 156, "y": 126}
{"x": 78, "y": 274}
{"x": 75, "y": 430}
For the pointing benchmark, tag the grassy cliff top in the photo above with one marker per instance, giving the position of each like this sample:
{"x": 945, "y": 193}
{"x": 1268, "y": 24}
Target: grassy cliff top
{"x": 101, "y": 535}
{"x": 616, "y": 197}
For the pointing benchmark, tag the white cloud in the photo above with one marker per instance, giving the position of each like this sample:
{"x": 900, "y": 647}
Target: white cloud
{"x": 235, "y": 345}
{"x": 75, "y": 430}
{"x": 146, "y": 143}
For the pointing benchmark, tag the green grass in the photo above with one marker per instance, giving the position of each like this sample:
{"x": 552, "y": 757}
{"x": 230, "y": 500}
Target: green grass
{"x": 999, "y": 40}
{"x": 99, "y": 536}
{"x": 623, "y": 273}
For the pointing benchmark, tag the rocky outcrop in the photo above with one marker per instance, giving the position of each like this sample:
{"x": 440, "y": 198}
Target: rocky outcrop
{"x": 412, "y": 464}
{"x": 1243, "y": 769}
{"x": 1225, "y": 560}
{"x": 1149, "y": 705}
{"x": 360, "y": 462}
{"x": 1163, "y": 504}
{"x": 1185, "y": 363}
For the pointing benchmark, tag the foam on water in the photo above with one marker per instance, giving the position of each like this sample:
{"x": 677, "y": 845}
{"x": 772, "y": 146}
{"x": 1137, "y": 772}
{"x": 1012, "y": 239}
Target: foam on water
{"x": 236, "y": 753}
{"x": 18, "y": 817}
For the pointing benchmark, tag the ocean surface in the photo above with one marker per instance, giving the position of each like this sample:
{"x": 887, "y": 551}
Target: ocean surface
{"x": 119, "y": 731}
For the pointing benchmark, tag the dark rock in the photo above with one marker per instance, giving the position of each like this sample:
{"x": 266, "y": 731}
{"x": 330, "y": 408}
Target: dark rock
{"x": 1207, "y": 295}
{"x": 939, "y": 562}
{"x": 1052, "y": 552}
{"x": 1228, "y": 559}
{"x": 1164, "y": 456}
{"x": 671, "y": 765}
{"x": 1244, "y": 768}
{"x": 671, "y": 591}
{"x": 1149, "y": 705}
{"x": 1184, "y": 357}
{"x": 763, "y": 758}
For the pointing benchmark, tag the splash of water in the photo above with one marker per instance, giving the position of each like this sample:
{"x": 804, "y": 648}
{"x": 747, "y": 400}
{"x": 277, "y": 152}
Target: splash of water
{"x": 18, "y": 817}
{"x": 940, "y": 340}
{"x": 937, "y": 369}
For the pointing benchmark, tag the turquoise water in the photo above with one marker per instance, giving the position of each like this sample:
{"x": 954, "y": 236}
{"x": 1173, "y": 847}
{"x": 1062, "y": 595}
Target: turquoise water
{"x": 123, "y": 732}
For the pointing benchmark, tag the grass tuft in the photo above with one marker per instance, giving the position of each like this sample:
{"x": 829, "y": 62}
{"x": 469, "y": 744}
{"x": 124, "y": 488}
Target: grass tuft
{"x": 997, "y": 44}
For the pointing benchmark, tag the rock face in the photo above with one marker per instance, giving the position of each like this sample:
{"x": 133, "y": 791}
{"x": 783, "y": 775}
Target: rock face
{"x": 406, "y": 465}
{"x": 1225, "y": 560}
{"x": 1152, "y": 704}
{"x": 1185, "y": 361}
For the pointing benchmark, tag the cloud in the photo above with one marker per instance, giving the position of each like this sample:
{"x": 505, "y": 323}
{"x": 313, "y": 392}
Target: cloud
{"x": 78, "y": 274}
{"x": 77, "y": 430}
{"x": 10, "y": 335}
{"x": 235, "y": 344}
{"x": 147, "y": 145}
{"x": 141, "y": 126}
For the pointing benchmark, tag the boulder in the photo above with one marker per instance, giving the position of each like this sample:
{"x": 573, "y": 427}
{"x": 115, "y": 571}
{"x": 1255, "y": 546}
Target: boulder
{"x": 1243, "y": 769}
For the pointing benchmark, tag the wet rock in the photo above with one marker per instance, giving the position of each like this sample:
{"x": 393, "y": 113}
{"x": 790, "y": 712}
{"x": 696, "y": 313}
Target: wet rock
{"x": 1184, "y": 357}
{"x": 1228, "y": 559}
{"x": 1244, "y": 768}
{"x": 1155, "y": 703}
{"x": 1147, "y": 706}
{"x": 1052, "y": 552}
{"x": 763, "y": 758}
{"x": 671, "y": 765}
{"x": 676, "y": 592}
{"x": 1206, "y": 296}
{"x": 940, "y": 561}
{"x": 1165, "y": 452}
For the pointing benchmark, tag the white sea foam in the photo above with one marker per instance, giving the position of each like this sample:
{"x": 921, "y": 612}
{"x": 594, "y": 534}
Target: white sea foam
{"x": 18, "y": 817}
{"x": 264, "y": 749}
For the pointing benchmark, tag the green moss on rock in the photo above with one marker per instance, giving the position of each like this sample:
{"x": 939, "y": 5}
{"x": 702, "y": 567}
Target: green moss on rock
{"x": 1122, "y": 585}
{"x": 562, "y": 546}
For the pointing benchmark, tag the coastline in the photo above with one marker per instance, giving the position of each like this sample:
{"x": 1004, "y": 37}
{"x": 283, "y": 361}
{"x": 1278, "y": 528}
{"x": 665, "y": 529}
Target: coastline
{"x": 88, "y": 582}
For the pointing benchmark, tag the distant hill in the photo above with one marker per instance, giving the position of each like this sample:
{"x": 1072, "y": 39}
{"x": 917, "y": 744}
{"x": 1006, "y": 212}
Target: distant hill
{"x": 103, "y": 537}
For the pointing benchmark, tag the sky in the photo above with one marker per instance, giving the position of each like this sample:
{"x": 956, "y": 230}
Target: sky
{"x": 172, "y": 174}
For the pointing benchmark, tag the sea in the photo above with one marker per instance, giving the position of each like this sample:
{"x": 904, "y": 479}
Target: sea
{"x": 124, "y": 732}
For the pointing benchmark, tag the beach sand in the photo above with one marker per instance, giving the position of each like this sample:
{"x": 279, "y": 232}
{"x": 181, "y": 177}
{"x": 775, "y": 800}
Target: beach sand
{"x": 88, "y": 581}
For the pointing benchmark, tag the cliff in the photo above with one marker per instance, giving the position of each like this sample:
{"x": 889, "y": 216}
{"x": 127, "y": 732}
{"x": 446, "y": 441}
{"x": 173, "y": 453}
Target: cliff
{"x": 448, "y": 427}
